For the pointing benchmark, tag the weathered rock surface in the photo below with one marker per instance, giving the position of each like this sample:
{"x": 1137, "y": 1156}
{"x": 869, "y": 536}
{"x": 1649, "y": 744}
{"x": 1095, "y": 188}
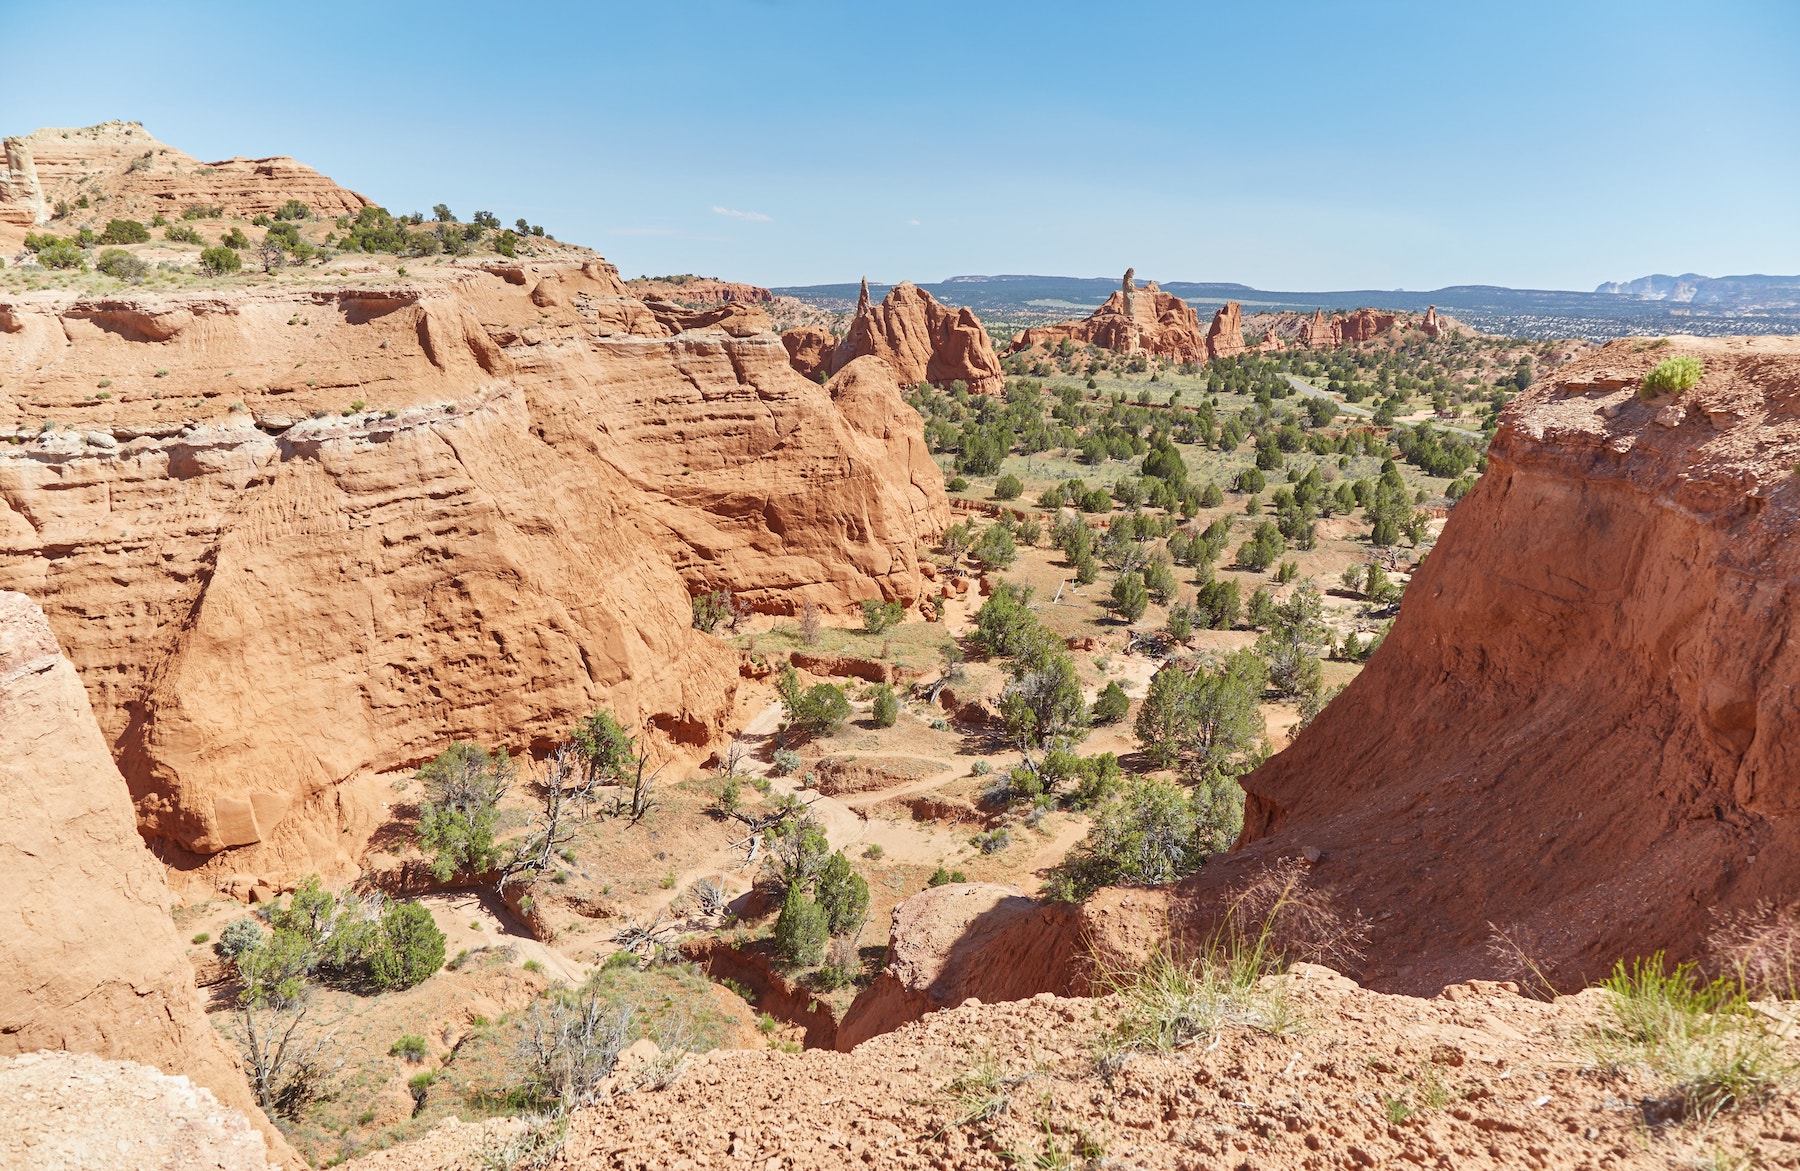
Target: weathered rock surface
{"x": 1135, "y": 320}
{"x": 810, "y": 350}
{"x": 696, "y": 290}
{"x": 78, "y": 1112}
{"x": 92, "y": 963}
{"x": 919, "y": 339}
{"x": 474, "y": 504}
{"x": 1225, "y": 337}
{"x": 141, "y": 177}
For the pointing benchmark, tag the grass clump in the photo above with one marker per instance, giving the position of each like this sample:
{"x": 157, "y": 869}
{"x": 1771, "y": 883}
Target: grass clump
{"x": 1703, "y": 1039}
{"x": 1174, "y": 999}
{"x": 410, "y": 1046}
{"x": 1672, "y": 376}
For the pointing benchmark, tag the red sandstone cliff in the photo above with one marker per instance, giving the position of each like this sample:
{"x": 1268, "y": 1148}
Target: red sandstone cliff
{"x": 272, "y": 592}
{"x": 919, "y": 339}
{"x": 141, "y": 177}
{"x": 697, "y": 290}
{"x": 92, "y": 963}
{"x": 1578, "y": 730}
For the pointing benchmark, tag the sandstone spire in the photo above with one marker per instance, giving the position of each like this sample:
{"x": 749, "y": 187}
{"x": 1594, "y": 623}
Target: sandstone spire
{"x": 862, "y": 302}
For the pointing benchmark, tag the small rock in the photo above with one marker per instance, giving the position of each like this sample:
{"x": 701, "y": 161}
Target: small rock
{"x": 1670, "y": 416}
{"x": 100, "y": 439}
{"x": 1311, "y": 853}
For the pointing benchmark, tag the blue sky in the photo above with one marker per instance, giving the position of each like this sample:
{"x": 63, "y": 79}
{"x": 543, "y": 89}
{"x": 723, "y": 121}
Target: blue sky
{"x": 1292, "y": 146}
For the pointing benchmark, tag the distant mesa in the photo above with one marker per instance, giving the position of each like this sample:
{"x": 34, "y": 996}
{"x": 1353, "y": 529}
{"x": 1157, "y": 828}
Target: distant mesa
{"x": 920, "y": 339}
{"x": 1751, "y": 292}
{"x": 122, "y": 168}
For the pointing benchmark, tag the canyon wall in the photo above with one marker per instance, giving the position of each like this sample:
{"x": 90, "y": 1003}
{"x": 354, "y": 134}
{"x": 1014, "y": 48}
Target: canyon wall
{"x": 311, "y": 533}
{"x": 92, "y": 962}
{"x": 1575, "y": 745}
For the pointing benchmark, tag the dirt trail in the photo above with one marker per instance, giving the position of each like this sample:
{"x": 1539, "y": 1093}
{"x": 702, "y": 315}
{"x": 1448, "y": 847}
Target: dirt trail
{"x": 457, "y": 914}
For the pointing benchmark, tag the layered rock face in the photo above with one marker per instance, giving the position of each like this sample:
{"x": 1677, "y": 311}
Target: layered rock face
{"x": 697, "y": 290}
{"x": 344, "y": 526}
{"x": 92, "y": 964}
{"x": 141, "y": 177}
{"x": 919, "y": 339}
{"x": 1576, "y": 738}
{"x": 810, "y": 350}
{"x": 1361, "y": 326}
{"x": 1133, "y": 320}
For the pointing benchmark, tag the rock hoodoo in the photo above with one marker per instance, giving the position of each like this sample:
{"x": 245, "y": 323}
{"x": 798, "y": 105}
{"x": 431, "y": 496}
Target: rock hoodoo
{"x": 1225, "y": 337}
{"x": 504, "y": 535}
{"x": 1575, "y": 734}
{"x": 141, "y": 177}
{"x": 919, "y": 339}
{"x": 1134, "y": 320}
{"x": 93, "y": 964}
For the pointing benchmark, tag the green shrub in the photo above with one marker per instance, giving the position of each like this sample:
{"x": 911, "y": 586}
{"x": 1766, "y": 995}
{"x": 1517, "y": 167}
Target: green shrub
{"x": 996, "y": 548}
{"x": 818, "y": 710}
{"x": 1008, "y": 487}
{"x": 202, "y": 211}
{"x": 507, "y": 243}
{"x": 873, "y": 851}
{"x": 1218, "y": 604}
{"x": 293, "y": 209}
{"x": 239, "y": 936}
{"x": 843, "y": 895}
{"x": 1151, "y": 831}
{"x": 202, "y": 937}
{"x": 218, "y": 260}
{"x": 1211, "y": 496}
{"x": 62, "y": 254}
{"x": 1129, "y": 597}
{"x": 786, "y": 762}
{"x": 711, "y": 609}
{"x": 956, "y": 484}
{"x": 943, "y": 877}
{"x": 1265, "y": 545}
{"x": 800, "y": 929}
{"x": 124, "y": 232}
{"x": 1159, "y": 579}
{"x": 410, "y": 947}
{"x": 118, "y": 263}
{"x": 458, "y": 818}
{"x": 1181, "y": 622}
{"x": 1111, "y": 704}
{"x": 410, "y": 1046}
{"x": 879, "y": 616}
{"x": 1672, "y": 376}
{"x": 887, "y": 706}
{"x": 235, "y": 238}
{"x": 182, "y": 234}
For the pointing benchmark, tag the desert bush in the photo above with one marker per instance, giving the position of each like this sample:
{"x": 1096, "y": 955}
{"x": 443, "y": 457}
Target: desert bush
{"x": 293, "y": 209}
{"x": 239, "y": 936}
{"x": 1672, "y": 376}
{"x": 182, "y": 234}
{"x": 410, "y": 948}
{"x": 1181, "y": 622}
{"x": 1008, "y": 487}
{"x": 800, "y": 929}
{"x": 411, "y": 1046}
{"x": 1148, "y": 832}
{"x": 1207, "y": 723}
{"x": 1217, "y": 605}
{"x": 817, "y": 710}
{"x": 61, "y": 254}
{"x": 1111, "y": 704}
{"x": 218, "y": 260}
{"x": 507, "y": 243}
{"x": 202, "y": 211}
{"x": 995, "y": 549}
{"x": 880, "y": 616}
{"x": 711, "y": 609}
{"x": 1159, "y": 579}
{"x": 886, "y": 707}
{"x": 943, "y": 877}
{"x": 122, "y": 265}
{"x": 568, "y": 1044}
{"x": 235, "y": 238}
{"x": 1265, "y": 544}
{"x": 843, "y": 895}
{"x": 458, "y": 818}
{"x": 124, "y": 232}
{"x": 786, "y": 762}
{"x": 1129, "y": 597}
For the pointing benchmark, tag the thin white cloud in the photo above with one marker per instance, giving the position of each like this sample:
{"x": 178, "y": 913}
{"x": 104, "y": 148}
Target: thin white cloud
{"x": 735, "y": 214}
{"x": 912, "y": 223}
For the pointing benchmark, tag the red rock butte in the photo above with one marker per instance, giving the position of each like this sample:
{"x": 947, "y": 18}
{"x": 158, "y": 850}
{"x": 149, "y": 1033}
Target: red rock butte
{"x": 921, "y": 340}
{"x": 140, "y": 178}
{"x": 1149, "y": 321}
